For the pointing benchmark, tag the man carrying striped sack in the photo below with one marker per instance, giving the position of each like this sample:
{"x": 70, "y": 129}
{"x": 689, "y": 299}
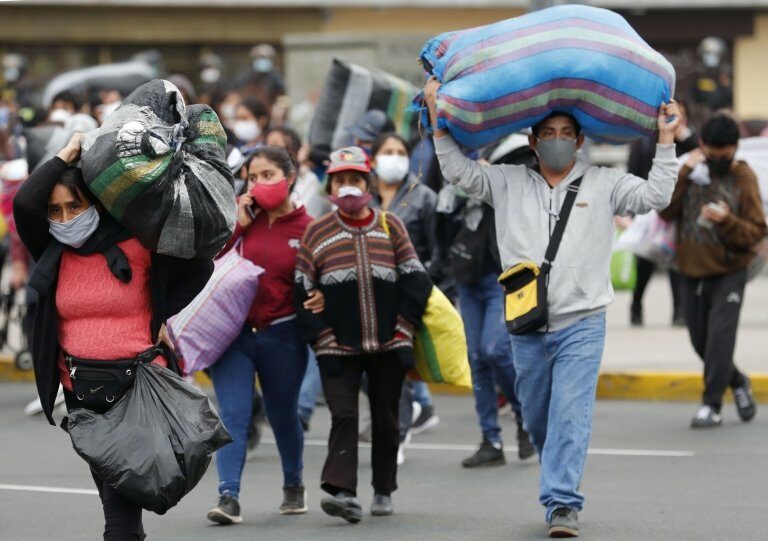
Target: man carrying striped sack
{"x": 557, "y": 365}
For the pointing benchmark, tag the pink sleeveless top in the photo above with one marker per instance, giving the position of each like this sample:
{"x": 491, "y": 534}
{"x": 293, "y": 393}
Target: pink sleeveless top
{"x": 100, "y": 317}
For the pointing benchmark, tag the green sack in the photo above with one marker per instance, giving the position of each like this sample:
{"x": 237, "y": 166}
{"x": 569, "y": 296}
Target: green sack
{"x": 623, "y": 270}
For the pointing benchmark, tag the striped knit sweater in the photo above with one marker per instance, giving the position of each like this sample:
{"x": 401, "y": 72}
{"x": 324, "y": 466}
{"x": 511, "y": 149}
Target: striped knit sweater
{"x": 374, "y": 285}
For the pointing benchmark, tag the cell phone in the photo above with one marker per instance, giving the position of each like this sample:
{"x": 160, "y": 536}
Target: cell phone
{"x": 716, "y": 207}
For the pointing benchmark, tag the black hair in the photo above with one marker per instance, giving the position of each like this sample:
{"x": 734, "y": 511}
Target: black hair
{"x": 720, "y": 130}
{"x": 384, "y": 137}
{"x": 255, "y": 106}
{"x": 68, "y": 97}
{"x": 366, "y": 178}
{"x": 294, "y": 142}
{"x": 537, "y": 127}
{"x": 72, "y": 179}
{"x": 277, "y": 155}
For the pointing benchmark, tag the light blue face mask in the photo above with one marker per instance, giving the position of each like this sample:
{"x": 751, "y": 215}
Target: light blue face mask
{"x": 76, "y": 231}
{"x": 262, "y": 64}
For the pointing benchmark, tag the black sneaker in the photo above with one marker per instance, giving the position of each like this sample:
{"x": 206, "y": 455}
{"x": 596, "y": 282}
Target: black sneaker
{"x": 227, "y": 511}
{"x": 382, "y": 505}
{"x": 486, "y": 456}
{"x": 426, "y": 420}
{"x": 706, "y": 417}
{"x": 525, "y": 448}
{"x": 564, "y": 522}
{"x": 343, "y": 505}
{"x": 294, "y": 500}
{"x": 745, "y": 402}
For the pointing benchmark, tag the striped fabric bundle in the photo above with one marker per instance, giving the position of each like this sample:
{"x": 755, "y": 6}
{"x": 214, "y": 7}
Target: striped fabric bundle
{"x": 158, "y": 167}
{"x": 589, "y": 62}
{"x": 351, "y": 90}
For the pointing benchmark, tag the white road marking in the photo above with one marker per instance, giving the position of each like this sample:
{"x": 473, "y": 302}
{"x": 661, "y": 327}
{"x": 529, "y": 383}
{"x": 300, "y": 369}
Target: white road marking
{"x": 513, "y": 449}
{"x": 51, "y": 490}
{"x": 411, "y": 447}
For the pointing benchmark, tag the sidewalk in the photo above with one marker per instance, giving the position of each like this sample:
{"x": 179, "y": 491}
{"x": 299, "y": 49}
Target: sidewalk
{"x": 655, "y": 362}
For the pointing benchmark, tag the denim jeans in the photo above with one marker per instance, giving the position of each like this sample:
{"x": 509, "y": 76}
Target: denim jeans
{"x": 490, "y": 353}
{"x": 310, "y": 387}
{"x": 556, "y": 382}
{"x": 279, "y": 356}
{"x": 421, "y": 393}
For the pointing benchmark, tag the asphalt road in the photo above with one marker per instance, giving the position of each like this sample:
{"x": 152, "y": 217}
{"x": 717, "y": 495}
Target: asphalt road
{"x": 649, "y": 477}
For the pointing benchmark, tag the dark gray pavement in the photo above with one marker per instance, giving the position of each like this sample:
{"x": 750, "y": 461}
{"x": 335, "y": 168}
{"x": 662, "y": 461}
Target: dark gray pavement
{"x": 649, "y": 477}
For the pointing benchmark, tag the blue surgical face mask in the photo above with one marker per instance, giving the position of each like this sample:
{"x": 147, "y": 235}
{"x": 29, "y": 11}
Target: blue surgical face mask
{"x": 262, "y": 64}
{"x": 76, "y": 231}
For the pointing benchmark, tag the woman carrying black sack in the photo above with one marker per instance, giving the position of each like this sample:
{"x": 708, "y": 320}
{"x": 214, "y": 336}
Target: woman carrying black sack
{"x": 375, "y": 290}
{"x": 102, "y": 297}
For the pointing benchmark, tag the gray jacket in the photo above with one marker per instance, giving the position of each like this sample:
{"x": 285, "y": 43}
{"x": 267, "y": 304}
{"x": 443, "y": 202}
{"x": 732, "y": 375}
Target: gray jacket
{"x": 414, "y": 203}
{"x": 527, "y": 209}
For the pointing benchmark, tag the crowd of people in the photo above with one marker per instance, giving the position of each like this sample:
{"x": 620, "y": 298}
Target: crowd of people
{"x": 351, "y": 248}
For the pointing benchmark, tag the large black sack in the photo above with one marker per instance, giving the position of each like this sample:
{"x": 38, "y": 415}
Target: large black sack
{"x": 155, "y": 443}
{"x": 351, "y": 90}
{"x": 159, "y": 168}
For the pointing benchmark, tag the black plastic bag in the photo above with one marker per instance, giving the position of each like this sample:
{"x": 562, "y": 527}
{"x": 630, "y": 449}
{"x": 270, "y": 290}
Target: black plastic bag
{"x": 155, "y": 443}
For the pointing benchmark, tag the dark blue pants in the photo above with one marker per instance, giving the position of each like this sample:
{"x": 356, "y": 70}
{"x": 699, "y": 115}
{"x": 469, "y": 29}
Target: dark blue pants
{"x": 279, "y": 356}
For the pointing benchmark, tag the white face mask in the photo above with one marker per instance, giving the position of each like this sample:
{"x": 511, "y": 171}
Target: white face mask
{"x": 246, "y": 130}
{"x": 392, "y": 169}
{"x": 107, "y": 109}
{"x": 354, "y": 191}
{"x": 59, "y": 115}
{"x": 75, "y": 232}
{"x": 210, "y": 75}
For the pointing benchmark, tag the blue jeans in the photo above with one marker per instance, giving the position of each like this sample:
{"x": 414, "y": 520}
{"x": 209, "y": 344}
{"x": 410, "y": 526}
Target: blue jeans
{"x": 556, "y": 382}
{"x": 310, "y": 387}
{"x": 421, "y": 393}
{"x": 279, "y": 355}
{"x": 490, "y": 353}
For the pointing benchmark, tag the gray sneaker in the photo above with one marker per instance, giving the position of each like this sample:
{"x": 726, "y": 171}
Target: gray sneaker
{"x": 745, "y": 402}
{"x": 564, "y": 522}
{"x": 294, "y": 500}
{"x": 343, "y": 505}
{"x": 382, "y": 505}
{"x": 227, "y": 511}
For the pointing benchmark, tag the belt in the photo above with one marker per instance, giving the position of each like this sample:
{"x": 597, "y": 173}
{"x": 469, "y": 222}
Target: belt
{"x": 279, "y": 320}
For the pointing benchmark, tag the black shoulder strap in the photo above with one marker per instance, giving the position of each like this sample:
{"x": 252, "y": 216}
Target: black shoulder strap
{"x": 562, "y": 221}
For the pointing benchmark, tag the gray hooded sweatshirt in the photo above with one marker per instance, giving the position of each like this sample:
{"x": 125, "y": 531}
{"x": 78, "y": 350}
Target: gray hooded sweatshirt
{"x": 527, "y": 209}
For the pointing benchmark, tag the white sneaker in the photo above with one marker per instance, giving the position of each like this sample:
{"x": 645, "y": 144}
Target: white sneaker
{"x": 35, "y": 407}
{"x": 416, "y": 411}
{"x": 706, "y": 417}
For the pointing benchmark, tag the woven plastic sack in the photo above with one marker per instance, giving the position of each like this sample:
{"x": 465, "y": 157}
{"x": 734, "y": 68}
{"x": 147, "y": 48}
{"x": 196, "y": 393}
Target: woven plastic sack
{"x": 351, "y": 90}
{"x": 205, "y": 329}
{"x": 589, "y": 62}
{"x": 159, "y": 168}
{"x": 155, "y": 443}
{"x": 440, "y": 345}
{"x": 623, "y": 270}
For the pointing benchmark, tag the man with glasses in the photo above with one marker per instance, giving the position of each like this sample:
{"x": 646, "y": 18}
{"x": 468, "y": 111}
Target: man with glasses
{"x": 557, "y": 365}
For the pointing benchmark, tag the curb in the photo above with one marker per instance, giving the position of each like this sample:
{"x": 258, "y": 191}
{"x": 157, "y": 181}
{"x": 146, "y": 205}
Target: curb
{"x": 661, "y": 386}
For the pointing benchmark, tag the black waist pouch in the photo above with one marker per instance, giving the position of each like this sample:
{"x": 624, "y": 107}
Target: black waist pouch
{"x": 98, "y": 384}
